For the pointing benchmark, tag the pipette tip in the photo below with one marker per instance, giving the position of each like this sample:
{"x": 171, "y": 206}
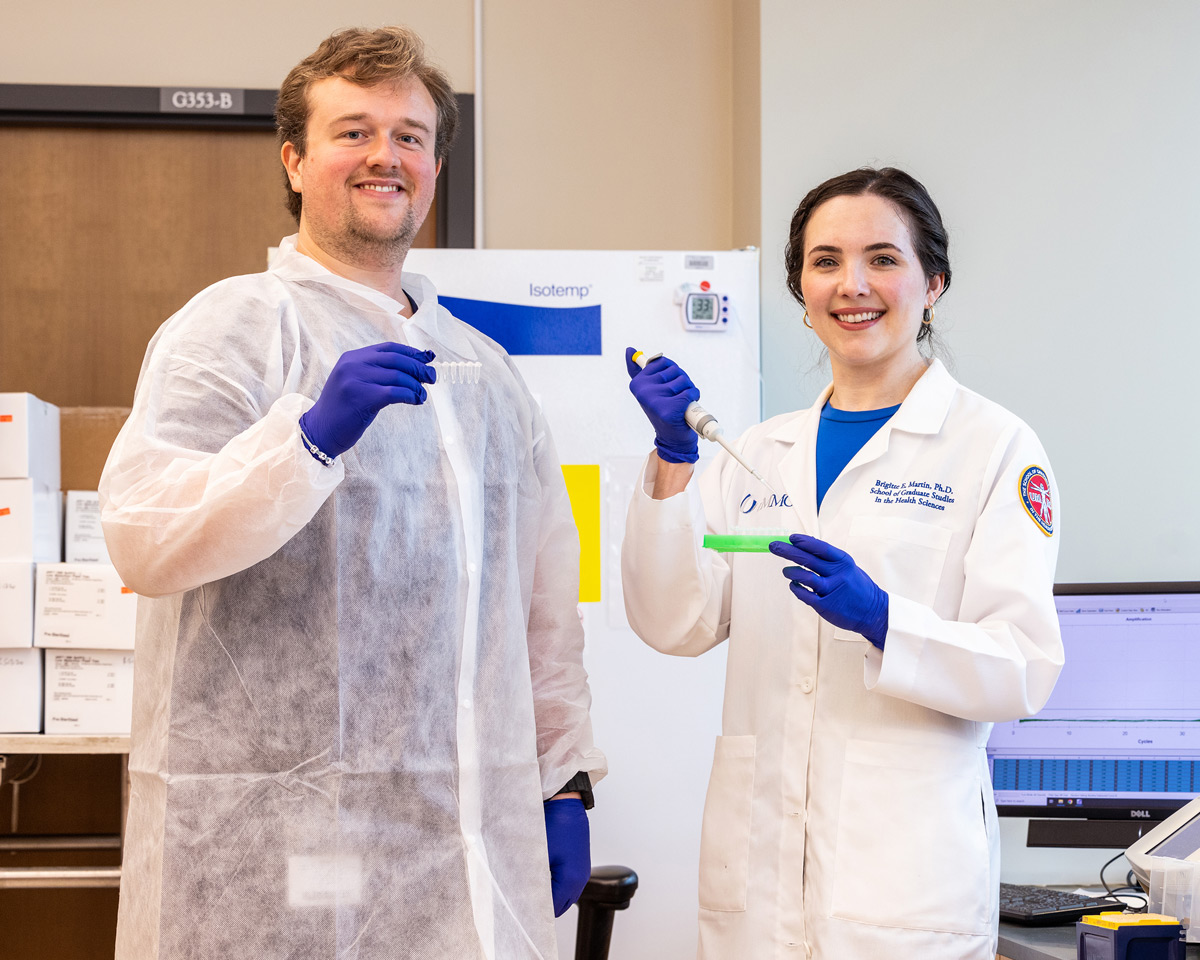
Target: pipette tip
{"x": 749, "y": 469}
{"x": 762, "y": 480}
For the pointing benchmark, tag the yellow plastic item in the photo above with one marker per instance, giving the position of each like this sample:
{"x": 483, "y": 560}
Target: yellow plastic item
{"x": 583, "y": 487}
{"x": 1115, "y": 920}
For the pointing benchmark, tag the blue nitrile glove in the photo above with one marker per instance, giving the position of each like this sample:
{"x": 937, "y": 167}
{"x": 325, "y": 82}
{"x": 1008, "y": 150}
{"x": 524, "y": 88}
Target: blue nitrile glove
{"x": 664, "y": 391}
{"x": 570, "y": 846}
{"x": 362, "y": 383}
{"x": 830, "y": 582}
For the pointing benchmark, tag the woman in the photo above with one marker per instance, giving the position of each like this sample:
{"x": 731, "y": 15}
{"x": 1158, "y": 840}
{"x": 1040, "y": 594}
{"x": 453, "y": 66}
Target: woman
{"x": 850, "y": 812}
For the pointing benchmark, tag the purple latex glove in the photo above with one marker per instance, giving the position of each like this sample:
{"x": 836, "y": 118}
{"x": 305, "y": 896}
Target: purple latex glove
{"x": 830, "y": 582}
{"x": 665, "y": 391}
{"x": 362, "y": 383}
{"x": 569, "y": 843}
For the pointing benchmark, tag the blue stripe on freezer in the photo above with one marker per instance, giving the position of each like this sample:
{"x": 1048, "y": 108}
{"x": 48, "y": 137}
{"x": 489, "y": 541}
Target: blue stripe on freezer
{"x": 523, "y": 330}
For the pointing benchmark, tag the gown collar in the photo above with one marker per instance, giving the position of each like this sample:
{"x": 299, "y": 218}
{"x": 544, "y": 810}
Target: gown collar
{"x": 437, "y": 324}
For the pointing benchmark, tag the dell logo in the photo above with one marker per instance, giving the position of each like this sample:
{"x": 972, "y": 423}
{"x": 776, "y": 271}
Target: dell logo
{"x": 1140, "y": 814}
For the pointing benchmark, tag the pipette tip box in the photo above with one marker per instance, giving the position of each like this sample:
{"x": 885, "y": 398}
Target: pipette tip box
{"x": 1129, "y": 936}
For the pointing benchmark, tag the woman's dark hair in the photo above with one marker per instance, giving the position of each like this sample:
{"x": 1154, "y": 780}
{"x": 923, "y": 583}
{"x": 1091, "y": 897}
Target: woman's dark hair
{"x": 911, "y": 199}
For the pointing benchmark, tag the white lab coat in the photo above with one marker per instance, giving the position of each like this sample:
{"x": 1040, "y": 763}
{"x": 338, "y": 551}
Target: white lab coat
{"x": 850, "y": 812}
{"x": 355, "y": 685}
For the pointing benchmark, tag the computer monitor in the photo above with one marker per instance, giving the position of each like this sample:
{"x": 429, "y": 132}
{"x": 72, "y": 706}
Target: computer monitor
{"x": 1117, "y": 746}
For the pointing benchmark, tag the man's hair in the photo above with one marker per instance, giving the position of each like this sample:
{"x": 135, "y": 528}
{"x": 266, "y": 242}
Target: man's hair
{"x": 365, "y": 57}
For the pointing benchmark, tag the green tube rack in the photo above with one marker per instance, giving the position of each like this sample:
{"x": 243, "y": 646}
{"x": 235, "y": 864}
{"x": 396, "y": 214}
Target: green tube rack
{"x": 742, "y": 542}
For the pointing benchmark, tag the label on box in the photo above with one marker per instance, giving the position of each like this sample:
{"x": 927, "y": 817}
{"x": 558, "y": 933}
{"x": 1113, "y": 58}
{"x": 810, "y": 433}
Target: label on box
{"x": 20, "y": 691}
{"x": 84, "y": 539}
{"x": 89, "y": 691}
{"x": 83, "y": 605}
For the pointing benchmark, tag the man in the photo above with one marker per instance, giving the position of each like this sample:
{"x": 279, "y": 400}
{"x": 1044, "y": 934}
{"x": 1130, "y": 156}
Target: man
{"x": 361, "y": 675}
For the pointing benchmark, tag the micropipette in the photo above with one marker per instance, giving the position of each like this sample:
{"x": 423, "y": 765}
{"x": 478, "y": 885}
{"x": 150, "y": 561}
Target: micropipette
{"x": 705, "y": 424}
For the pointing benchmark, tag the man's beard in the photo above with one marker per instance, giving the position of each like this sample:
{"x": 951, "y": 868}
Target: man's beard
{"x": 360, "y": 244}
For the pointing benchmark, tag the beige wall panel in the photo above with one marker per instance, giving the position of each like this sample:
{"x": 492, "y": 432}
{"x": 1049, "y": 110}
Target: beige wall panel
{"x": 219, "y": 43}
{"x": 608, "y": 125}
{"x": 746, "y": 141}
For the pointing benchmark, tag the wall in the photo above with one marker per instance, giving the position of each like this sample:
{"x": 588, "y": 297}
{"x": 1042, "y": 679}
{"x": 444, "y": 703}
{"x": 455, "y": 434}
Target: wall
{"x": 1058, "y": 141}
{"x": 222, "y": 43}
{"x": 745, "y": 143}
{"x": 606, "y": 126}
{"x": 614, "y": 131}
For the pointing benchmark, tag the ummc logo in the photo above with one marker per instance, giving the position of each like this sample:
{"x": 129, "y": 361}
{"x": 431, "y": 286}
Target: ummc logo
{"x": 749, "y": 504}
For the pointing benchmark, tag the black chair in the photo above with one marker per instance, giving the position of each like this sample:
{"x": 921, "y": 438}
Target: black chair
{"x": 608, "y": 890}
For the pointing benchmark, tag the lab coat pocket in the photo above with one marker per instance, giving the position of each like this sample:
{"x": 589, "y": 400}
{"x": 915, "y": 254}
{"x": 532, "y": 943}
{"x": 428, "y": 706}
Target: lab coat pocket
{"x": 725, "y": 837}
{"x": 912, "y": 844}
{"x": 903, "y": 556}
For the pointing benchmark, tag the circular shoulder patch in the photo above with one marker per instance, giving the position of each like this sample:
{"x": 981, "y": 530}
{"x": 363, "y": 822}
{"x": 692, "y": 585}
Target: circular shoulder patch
{"x": 1035, "y": 495}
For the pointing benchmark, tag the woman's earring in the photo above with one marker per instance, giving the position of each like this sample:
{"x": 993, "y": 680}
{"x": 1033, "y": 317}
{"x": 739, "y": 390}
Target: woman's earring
{"x": 806, "y": 323}
{"x": 928, "y": 318}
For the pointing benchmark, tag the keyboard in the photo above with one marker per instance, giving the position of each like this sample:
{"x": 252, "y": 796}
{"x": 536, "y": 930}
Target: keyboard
{"x": 1042, "y": 907}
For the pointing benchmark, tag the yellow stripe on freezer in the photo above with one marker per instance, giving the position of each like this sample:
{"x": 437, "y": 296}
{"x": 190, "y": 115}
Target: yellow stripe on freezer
{"x": 583, "y": 486}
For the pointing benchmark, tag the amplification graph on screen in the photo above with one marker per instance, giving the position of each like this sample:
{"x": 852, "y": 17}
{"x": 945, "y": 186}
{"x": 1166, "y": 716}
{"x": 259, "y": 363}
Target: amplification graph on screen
{"x": 1124, "y": 718}
{"x": 1109, "y": 776}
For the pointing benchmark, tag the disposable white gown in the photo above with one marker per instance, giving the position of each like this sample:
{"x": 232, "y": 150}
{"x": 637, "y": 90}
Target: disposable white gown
{"x": 356, "y": 684}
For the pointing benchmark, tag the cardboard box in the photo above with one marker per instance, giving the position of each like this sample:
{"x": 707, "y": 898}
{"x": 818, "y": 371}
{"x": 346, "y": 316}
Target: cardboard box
{"x": 83, "y": 539}
{"x": 87, "y": 436}
{"x": 83, "y": 606}
{"x": 29, "y": 439}
{"x": 16, "y": 604}
{"x": 21, "y": 691}
{"x": 89, "y": 691}
{"x": 30, "y": 521}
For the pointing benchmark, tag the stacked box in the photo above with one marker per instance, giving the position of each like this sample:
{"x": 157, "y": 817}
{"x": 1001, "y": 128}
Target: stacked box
{"x": 29, "y": 434}
{"x": 21, "y": 691}
{"x": 85, "y": 617}
{"x": 30, "y": 521}
{"x": 83, "y": 606}
{"x": 83, "y": 540}
{"x": 30, "y": 532}
{"x": 87, "y": 436}
{"x": 89, "y": 691}
{"x": 16, "y": 604}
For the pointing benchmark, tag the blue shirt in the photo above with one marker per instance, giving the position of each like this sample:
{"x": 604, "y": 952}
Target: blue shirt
{"x": 840, "y": 435}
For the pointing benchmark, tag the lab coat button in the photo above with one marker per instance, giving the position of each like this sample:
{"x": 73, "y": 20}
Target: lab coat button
{"x": 465, "y": 704}
{"x": 807, "y": 684}
{"x": 471, "y": 568}
{"x": 449, "y": 441}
